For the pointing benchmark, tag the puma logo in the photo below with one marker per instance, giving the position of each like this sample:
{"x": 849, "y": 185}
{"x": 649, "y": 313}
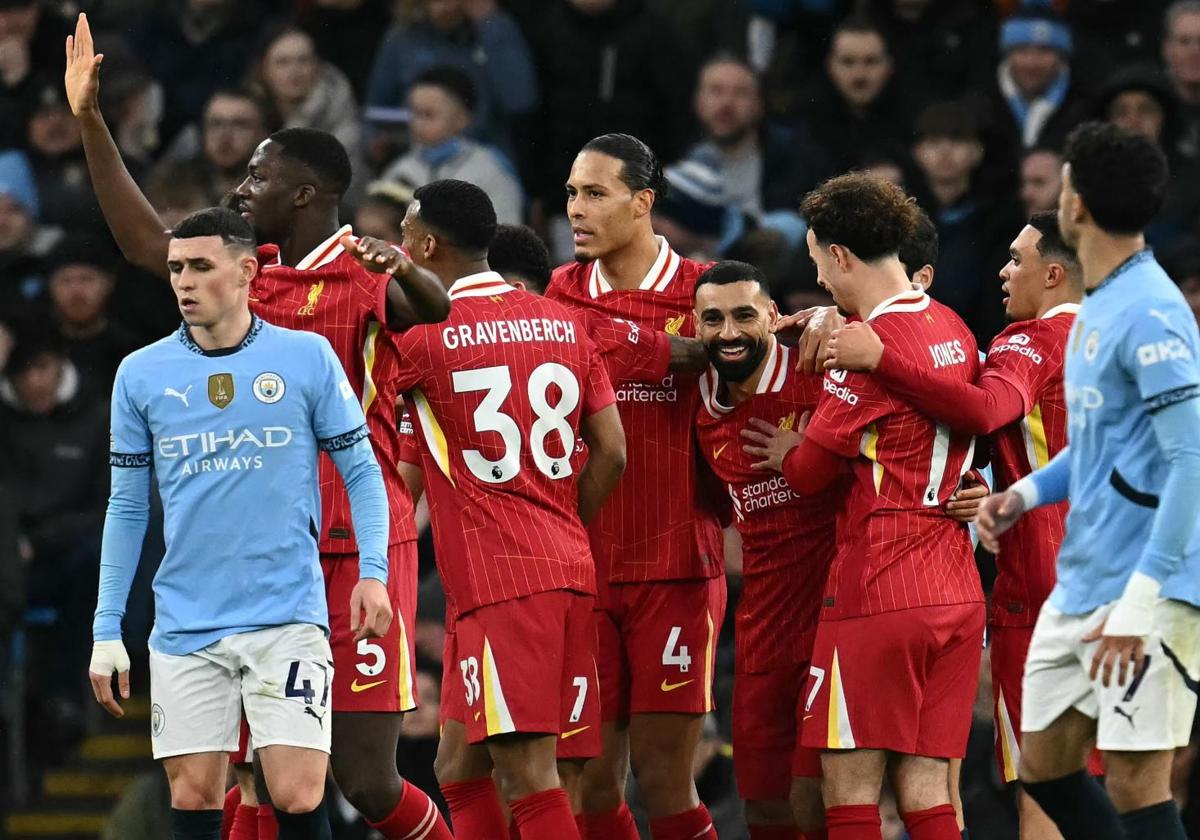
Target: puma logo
{"x": 1127, "y": 715}
{"x": 171, "y": 392}
{"x": 320, "y": 718}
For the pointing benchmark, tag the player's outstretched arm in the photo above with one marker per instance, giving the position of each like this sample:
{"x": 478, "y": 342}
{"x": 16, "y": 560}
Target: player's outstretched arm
{"x": 605, "y": 438}
{"x": 124, "y": 529}
{"x": 977, "y": 408}
{"x": 687, "y": 355}
{"x": 135, "y": 225}
{"x": 415, "y": 295}
{"x": 370, "y": 607}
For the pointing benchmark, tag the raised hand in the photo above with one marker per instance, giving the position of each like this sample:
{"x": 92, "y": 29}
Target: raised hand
{"x": 377, "y": 255}
{"x": 82, "y": 78}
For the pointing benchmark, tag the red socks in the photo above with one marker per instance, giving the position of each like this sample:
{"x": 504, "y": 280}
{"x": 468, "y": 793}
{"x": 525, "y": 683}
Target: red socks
{"x": 233, "y": 798}
{"x": 932, "y": 824}
{"x": 268, "y": 826}
{"x": 475, "y": 809}
{"x": 415, "y": 817}
{"x": 245, "y": 823}
{"x": 616, "y": 824}
{"x": 774, "y": 832}
{"x": 853, "y": 822}
{"x": 545, "y": 814}
{"x": 695, "y": 824}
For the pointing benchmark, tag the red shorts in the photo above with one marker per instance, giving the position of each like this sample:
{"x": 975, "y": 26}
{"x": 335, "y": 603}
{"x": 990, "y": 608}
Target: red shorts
{"x": 1009, "y": 647}
{"x": 243, "y": 754}
{"x": 903, "y": 681}
{"x": 529, "y": 665}
{"x": 656, "y": 646}
{"x": 373, "y": 675}
{"x": 768, "y": 709}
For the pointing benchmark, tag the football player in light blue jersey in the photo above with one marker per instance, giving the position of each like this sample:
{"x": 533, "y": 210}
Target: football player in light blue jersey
{"x": 1116, "y": 650}
{"x": 231, "y": 413}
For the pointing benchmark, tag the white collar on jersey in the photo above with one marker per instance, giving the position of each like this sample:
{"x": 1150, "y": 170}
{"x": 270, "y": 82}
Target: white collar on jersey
{"x": 326, "y": 252}
{"x": 483, "y": 284}
{"x": 1061, "y": 309}
{"x": 660, "y": 275}
{"x": 910, "y": 300}
{"x": 774, "y": 374}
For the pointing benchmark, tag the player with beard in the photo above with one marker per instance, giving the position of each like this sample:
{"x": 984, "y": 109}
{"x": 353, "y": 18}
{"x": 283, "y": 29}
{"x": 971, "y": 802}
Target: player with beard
{"x": 1019, "y": 401}
{"x": 903, "y": 605}
{"x": 657, "y": 542}
{"x": 309, "y": 279}
{"x": 787, "y": 546}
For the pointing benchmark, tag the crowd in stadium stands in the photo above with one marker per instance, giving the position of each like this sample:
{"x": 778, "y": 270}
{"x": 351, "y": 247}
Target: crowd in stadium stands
{"x": 965, "y": 103}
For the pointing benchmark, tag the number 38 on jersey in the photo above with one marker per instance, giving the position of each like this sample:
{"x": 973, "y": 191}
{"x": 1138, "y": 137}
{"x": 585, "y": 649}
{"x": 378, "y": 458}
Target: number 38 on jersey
{"x": 547, "y": 382}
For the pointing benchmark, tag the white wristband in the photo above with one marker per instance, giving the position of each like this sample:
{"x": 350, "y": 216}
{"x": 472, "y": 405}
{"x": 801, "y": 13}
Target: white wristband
{"x": 109, "y": 656}
{"x": 1134, "y": 613}
{"x": 1027, "y": 490}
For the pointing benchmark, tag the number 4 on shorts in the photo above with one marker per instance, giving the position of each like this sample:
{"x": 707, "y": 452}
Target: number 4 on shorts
{"x": 675, "y": 653}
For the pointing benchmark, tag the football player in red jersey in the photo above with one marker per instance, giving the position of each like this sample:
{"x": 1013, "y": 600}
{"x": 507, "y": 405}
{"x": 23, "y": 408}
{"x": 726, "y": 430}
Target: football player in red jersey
{"x": 657, "y": 543}
{"x": 1019, "y": 401}
{"x": 903, "y": 606}
{"x": 500, "y": 394}
{"x": 309, "y": 278}
{"x": 787, "y": 546}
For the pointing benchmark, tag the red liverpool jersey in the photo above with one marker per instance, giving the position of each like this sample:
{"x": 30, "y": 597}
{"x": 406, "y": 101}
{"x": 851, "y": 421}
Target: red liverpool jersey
{"x": 779, "y": 528}
{"x": 659, "y": 524}
{"x": 1029, "y": 356}
{"x": 329, "y": 293}
{"x": 498, "y": 392}
{"x": 896, "y": 548}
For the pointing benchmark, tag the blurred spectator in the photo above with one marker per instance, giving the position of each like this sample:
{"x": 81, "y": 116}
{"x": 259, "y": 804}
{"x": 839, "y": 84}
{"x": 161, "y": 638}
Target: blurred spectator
{"x": 1181, "y": 54}
{"x": 23, "y": 244}
{"x": 55, "y": 438}
{"x": 382, "y": 211}
{"x": 858, "y": 108}
{"x": 1041, "y": 180}
{"x": 476, "y": 36}
{"x": 1109, "y": 34}
{"x": 1138, "y": 98}
{"x": 235, "y": 121}
{"x": 80, "y": 283}
{"x": 440, "y": 102}
{"x": 65, "y": 196}
{"x": 606, "y": 66}
{"x": 32, "y": 34}
{"x": 693, "y": 215}
{"x": 1182, "y": 263}
{"x": 347, "y": 33}
{"x": 306, "y": 91}
{"x": 973, "y": 229}
{"x": 132, "y": 102}
{"x": 943, "y": 49}
{"x": 1033, "y": 100}
{"x": 763, "y": 167}
{"x": 706, "y": 25}
{"x": 194, "y": 48}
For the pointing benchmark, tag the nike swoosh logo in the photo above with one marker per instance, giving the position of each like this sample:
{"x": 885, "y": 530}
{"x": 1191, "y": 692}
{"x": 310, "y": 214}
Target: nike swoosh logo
{"x": 717, "y": 452}
{"x": 667, "y": 686}
{"x": 571, "y": 733}
{"x": 356, "y": 688}
{"x": 477, "y": 716}
{"x": 806, "y": 717}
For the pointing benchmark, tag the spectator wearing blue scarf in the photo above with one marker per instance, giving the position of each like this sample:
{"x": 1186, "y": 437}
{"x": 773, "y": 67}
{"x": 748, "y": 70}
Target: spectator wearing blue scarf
{"x": 1034, "y": 101}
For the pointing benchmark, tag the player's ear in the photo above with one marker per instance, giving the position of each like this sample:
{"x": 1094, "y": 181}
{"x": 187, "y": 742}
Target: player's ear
{"x": 841, "y": 256}
{"x": 772, "y": 313}
{"x": 249, "y": 269}
{"x": 517, "y": 283}
{"x": 1055, "y": 275}
{"x": 429, "y": 246}
{"x": 304, "y": 195}
{"x": 643, "y": 201}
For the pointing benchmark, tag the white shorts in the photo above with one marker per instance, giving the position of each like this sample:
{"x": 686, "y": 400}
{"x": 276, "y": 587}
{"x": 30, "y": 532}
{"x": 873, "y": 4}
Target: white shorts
{"x": 281, "y": 676}
{"x": 1151, "y": 713}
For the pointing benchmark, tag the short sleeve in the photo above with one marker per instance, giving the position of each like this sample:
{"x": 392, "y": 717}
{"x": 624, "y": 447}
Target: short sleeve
{"x": 337, "y": 417}
{"x": 597, "y": 387}
{"x": 1026, "y": 357}
{"x": 1159, "y": 352}
{"x": 850, "y": 403}
{"x": 129, "y": 434}
{"x": 411, "y": 349}
{"x": 371, "y": 290}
